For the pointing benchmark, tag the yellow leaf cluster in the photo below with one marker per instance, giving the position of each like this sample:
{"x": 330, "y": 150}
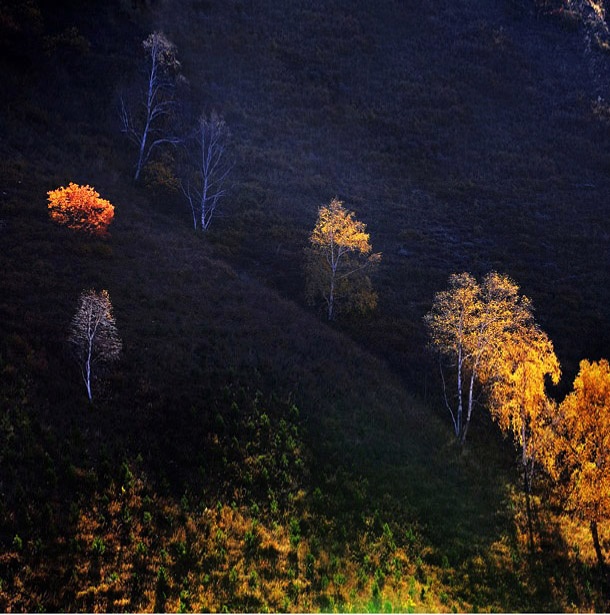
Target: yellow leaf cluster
{"x": 337, "y": 229}
{"x": 487, "y": 332}
{"x": 518, "y": 399}
{"x": 452, "y": 321}
{"x": 80, "y": 208}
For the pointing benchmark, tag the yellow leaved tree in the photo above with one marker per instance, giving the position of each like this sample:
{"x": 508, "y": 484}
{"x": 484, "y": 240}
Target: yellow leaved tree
{"x": 80, "y": 208}
{"x": 518, "y": 401}
{"x": 581, "y": 460}
{"x": 339, "y": 260}
{"x": 517, "y": 397}
{"x": 467, "y": 326}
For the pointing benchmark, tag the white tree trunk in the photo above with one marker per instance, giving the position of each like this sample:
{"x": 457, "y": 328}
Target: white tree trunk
{"x": 94, "y": 335}
{"x": 206, "y": 169}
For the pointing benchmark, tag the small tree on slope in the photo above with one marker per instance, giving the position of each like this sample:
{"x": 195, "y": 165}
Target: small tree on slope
{"x": 206, "y": 169}
{"x": 80, "y": 208}
{"x": 338, "y": 261}
{"x": 93, "y": 334}
{"x": 144, "y": 120}
{"x": 467, "y": 326}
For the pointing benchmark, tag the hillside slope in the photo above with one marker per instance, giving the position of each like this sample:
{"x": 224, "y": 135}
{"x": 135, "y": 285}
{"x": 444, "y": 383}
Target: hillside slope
{"x": 467, "y": 137}
{"x": 245, "y": 455}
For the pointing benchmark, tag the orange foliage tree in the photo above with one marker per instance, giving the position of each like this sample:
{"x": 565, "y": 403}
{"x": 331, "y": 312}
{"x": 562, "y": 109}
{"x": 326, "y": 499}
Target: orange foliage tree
{"x": 80, "y": 208}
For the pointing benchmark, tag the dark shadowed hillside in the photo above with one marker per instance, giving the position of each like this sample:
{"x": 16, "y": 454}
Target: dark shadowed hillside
{"x": 244, "y": 454}
{"x": 467, "y": 137}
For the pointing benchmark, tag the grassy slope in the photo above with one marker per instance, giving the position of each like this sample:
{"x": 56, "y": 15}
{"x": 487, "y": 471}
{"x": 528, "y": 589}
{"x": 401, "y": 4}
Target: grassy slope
{"x": 388, "y": 508}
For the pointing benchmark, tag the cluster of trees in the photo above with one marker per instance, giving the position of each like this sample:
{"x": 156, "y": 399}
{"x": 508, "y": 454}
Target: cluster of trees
{"x": 93, "y": 333}
{"x": 487, "y": 335}
{"x": 151, "y": 117}
{"x": 148, "y": 119}
{"x": 339, "y": 257}
{"x": 338, "y": 262}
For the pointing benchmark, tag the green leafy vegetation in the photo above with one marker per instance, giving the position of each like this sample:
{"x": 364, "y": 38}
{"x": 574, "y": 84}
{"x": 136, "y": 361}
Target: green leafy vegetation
{"x": 244, "y": 454}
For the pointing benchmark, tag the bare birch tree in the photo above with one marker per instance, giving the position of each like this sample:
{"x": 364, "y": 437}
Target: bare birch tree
{"x": 206, "y": 170}
{"x": 146, "y": 125}
{"x": 93, "y": 335}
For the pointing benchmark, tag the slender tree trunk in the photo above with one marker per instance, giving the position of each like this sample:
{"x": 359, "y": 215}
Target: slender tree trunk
{"x": 91, "y": 328}
{"x": 597, "y": 546}
{"x": 331, "y": 296}
{"x": 88, "y": 371}
{"x": 334, "y": 263}
{"x": 460, "y": 408}
{"x": 470, "y": 402}
{"x": 204, "y": 203}
{"x": 140, "y": 158}
{"x": 528, "y": 509}
{"x": 143, "y": 140}
{"x": 528, "y": 472}
{"x": 150, "y": 96}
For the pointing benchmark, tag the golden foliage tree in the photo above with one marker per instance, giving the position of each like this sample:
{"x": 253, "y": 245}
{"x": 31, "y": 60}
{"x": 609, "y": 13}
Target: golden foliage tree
{"x": 581, "y": 457}
{"x": 339, "y": 259}
{"x": 451, "y": 325}
{"x": 80, "y": 208}
{"x": 518, "y": 399}
{"x": 467, "y": 326}
{"x": 93, "y": 334}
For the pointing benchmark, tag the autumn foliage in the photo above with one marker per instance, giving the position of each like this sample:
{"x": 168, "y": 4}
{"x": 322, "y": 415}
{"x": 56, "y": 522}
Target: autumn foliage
{"x": 581, "y": 457}
{"x": 481, "y": 331}
{"x": 518, "y": 399}
{"x": 338, "y": 260}
{"x": 80, "y": 208}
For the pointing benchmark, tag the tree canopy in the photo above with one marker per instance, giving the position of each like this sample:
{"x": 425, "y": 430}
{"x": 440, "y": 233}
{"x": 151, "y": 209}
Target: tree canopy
{"x": 518, "y": 399}
{"x": 80, "y": 208}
